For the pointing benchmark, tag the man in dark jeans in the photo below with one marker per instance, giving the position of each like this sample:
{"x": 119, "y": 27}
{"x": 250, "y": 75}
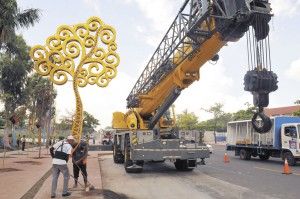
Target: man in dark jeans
{"x": 79, "y": 159}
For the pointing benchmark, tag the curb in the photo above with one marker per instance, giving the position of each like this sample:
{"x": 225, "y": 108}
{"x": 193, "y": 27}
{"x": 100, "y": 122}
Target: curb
{"x": 100, "y": 168}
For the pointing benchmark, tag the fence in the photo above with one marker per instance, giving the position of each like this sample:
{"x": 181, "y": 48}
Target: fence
{"x": 220, "y": 136}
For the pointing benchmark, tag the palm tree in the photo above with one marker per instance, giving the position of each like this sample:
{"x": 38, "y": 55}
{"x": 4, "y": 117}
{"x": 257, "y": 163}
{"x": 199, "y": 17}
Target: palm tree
{"x": 12, "y": 18}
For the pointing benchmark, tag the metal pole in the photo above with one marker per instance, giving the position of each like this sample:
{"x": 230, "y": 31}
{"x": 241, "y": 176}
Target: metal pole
{"x": 40, "y": 143}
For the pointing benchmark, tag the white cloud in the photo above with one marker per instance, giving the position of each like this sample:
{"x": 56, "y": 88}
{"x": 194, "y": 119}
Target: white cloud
{"x": 140, "y": 29}
{"x": 94, "y": 5}
{"x": 161, "y": 13}
{"x": 293, "y": 72}
{"x": 286, "y": 7}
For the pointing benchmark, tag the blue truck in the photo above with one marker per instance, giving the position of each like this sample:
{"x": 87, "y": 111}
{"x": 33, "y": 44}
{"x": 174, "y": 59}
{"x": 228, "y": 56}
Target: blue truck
{"x": 282, "y": 141}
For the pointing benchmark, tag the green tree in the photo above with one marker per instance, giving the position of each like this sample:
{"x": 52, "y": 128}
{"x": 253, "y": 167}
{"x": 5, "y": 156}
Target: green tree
{"x": 217, "y": 112}
{"x": 89, "y": 123}
{"x": 207, "y": 125}
{"x": 296, "y": 113}
{"x": 297, "y": 102}
{"x": 64, "y": 124}
{"x": 12, "y": 18}
{"x": 222, "y": 121}
{"x": 187, "y": 121}
{"x": 220, "y": 126}
{"x": 40, "y": 96}
{"x": 244, "y": 114}
{"x": 14, "y": 70}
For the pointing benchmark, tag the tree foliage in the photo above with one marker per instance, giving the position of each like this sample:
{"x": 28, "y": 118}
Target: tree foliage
{"x": 64, "y": 124}
{"x": 40, "y": 96}
{"x": 297, "y": 102}
{"x": 89, "y": 122}
{"x": 244, "y": 114}
{"x": 217, "y": 112}
{"x": 12, "y": 18}
{"x": 14, "y": 70}
{"x": 15, "y": 63}
{"x": 296, "y": 113}
{"x": 187, "y": 121}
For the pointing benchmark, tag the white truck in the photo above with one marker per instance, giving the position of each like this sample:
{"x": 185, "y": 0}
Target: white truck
{"x": 282, "y": 141}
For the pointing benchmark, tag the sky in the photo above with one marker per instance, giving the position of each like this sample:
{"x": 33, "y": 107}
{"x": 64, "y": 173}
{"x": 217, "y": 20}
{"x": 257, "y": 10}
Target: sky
{"x": 140, "y": 26}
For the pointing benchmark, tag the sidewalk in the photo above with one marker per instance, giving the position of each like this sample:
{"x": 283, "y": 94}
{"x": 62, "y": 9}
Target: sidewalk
{"x": 24, "y": 175}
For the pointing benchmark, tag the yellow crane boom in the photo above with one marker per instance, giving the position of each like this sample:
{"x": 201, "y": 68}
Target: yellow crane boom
{"x": 200, "y": 30}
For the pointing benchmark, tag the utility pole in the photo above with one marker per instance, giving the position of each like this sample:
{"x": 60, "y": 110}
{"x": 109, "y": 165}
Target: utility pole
{"x": 50, "y": 116}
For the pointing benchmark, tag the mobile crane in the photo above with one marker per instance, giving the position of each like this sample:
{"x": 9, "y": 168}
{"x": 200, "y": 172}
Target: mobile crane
{"x": 147, "y": 131}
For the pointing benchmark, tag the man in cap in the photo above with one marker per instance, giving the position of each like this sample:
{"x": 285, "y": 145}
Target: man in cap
{"x": 60, "y": 153}
{"x": 79, "y": 159}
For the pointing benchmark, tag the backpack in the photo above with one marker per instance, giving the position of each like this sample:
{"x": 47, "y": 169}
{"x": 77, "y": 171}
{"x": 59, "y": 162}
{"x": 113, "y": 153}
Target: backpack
{"x": 59, "y": 154}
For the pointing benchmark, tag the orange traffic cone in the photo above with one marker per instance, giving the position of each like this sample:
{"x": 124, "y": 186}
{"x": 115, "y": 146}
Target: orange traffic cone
{"x": 226, "y": 158}
{"x": 286, "y": 169}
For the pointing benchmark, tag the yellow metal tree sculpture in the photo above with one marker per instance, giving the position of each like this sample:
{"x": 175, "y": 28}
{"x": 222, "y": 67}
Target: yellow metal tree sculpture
{"x": 84, "y": 52}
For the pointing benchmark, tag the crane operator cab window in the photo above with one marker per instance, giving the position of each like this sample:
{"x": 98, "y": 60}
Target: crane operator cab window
{"x": 167, "y": 120}
{"x": 167, "y": 114}
{"x": 290, "y": 131}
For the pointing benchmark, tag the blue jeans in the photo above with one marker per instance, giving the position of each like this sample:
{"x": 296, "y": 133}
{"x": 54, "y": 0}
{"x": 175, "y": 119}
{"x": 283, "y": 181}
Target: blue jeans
{"x": 56, "y": 169}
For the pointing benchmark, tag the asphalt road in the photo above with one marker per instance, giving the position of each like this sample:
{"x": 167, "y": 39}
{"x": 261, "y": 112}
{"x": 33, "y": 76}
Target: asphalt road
{"x": 237, "y": 179}
{"x": 264, "y": 177}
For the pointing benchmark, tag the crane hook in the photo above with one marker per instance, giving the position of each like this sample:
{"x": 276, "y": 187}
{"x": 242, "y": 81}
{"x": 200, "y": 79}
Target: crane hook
{"x": 266, "y": 122}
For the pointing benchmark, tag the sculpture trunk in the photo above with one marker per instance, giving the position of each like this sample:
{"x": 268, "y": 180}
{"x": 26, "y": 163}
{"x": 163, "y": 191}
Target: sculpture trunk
{"x": 78, "y": 120}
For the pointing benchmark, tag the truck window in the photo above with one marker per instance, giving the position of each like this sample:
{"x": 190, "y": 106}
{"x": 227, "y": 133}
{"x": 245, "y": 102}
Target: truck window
{"x": 290, "y": 131}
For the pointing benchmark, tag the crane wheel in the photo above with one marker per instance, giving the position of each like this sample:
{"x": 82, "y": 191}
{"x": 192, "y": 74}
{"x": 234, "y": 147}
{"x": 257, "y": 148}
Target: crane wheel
{"x": 128, "y": 163}
{"x": 117, "y": 153}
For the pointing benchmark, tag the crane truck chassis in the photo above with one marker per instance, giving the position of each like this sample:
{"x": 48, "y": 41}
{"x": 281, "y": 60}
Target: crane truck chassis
{"x": 148, "y": 131}
{"x": 134, "y": 147}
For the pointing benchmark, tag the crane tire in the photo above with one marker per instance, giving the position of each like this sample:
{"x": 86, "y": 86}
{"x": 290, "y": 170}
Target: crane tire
{"x": 127, "y": 161}
{"x": 117, "y": 153}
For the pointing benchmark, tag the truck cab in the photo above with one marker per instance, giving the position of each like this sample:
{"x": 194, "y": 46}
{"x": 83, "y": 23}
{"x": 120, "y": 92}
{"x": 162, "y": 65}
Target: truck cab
{"x": 290, "y": 141}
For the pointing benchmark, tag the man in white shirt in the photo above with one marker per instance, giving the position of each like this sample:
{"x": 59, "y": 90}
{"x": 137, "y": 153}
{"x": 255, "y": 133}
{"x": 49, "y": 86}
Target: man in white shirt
{"x": 60, "y": 153}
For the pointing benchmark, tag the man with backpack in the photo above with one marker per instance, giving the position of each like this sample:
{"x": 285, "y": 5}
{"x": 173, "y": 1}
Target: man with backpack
{"x": 60, "y": 153}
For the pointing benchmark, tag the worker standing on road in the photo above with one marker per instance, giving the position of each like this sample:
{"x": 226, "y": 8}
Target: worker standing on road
{"x": 79, "y": 159}
{"x": 60, "y": 153}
